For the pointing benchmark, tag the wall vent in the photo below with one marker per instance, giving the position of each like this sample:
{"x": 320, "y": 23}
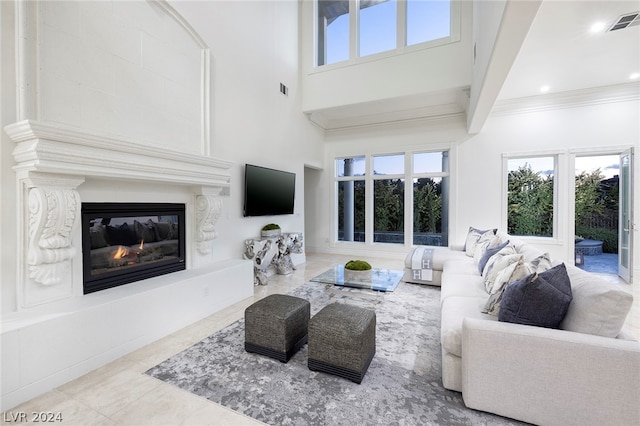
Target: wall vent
{"x": 628, "y": 20}
{"x": 284, "y": 89}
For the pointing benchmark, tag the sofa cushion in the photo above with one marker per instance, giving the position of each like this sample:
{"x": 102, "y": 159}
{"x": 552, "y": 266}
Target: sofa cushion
{"x": 529, "y": 252}
{"x": 454, "y": 311}
{"x": 539, "y": 299}
{"x": 599, "y": 307}
{"x": 463, "y": 285}
{"x": 473, "y": 235}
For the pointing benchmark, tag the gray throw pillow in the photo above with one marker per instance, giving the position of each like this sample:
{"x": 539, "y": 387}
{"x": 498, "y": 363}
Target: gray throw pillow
{"x": 538, "y": 299}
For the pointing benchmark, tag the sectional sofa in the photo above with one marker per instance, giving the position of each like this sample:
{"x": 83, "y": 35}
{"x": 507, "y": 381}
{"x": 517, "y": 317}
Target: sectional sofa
{"x": 583, "y": 370}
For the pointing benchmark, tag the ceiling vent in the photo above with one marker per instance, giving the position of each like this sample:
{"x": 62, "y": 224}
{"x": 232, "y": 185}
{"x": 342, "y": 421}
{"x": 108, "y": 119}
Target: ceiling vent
{"x": 628, "y": 20}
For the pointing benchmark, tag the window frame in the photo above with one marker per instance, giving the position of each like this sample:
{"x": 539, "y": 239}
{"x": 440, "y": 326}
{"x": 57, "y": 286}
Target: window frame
{"x": 557, "y": 177}
{"x": 369, "y": 179}
{"x": 401, "y": 36}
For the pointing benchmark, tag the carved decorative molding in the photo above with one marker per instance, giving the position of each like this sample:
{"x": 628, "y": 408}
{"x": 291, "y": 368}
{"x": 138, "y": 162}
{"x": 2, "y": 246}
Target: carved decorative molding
{"x": 208, "y": 209}
{"x": 53, "y": 214}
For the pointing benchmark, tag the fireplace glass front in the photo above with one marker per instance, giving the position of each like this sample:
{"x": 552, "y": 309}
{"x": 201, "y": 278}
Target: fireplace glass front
{"x": 127, "y": 242}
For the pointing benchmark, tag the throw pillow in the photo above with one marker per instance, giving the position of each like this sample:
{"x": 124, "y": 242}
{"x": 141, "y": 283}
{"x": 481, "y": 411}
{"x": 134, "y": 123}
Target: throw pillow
{"x": 486, "y": 241}
{"x": 512, "y": 273}
{"x": 541, "y": 263}
{"x": 488, "y": 253}
{"x": 491, "y": 272}
{"x": 539, "y": 299}
{"x": 472, "y": 238}
{"x": 507, "y": 250}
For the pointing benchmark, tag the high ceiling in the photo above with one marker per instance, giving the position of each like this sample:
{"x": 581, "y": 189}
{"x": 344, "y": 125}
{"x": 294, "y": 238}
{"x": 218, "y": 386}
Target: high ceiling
{"x": 562, "y": 52}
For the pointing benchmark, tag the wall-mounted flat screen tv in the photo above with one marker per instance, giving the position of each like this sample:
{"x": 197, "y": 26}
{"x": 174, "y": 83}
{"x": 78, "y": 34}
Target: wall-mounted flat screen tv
{"x": 267, "y": 191}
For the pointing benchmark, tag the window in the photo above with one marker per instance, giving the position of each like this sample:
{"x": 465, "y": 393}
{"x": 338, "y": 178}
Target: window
{"x": 388, "y": 200}
{"x": 376, "y": 26}
{"x": 351, "y": 198}
{"x": 333, "y": 31}
{"x": 530, "y": 196}
{"x": 377, "y": 30}
{"x": 427, "y": 20}
{"x": 400, "y": 189}
{"x": 430, "y": 198}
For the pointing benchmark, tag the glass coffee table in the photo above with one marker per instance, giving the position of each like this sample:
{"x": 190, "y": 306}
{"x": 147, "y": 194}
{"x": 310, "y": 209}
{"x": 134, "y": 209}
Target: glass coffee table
{"x": 379, "y": 279}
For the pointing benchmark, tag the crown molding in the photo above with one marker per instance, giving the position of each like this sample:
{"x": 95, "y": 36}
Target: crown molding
{"x": 592, "y": 96}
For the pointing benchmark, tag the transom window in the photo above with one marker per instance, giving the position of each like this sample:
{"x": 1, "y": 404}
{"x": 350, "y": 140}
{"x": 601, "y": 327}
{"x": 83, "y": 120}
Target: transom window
{"x": 357, "y": 28}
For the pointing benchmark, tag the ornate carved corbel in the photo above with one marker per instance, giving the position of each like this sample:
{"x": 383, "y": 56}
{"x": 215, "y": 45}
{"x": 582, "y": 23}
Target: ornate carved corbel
{"x": 208, "y": 209}
{"x": 53, "y": 213}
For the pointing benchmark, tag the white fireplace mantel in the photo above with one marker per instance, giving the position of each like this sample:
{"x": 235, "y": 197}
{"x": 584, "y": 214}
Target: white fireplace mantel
{"x": 52, "y": 160}
{"x": 47, "y": 148}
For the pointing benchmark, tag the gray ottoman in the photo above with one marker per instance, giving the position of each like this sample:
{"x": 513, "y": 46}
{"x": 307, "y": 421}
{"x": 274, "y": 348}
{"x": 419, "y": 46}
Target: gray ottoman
{"x": 342, "y": 341}
{"x": 276, "y": 326}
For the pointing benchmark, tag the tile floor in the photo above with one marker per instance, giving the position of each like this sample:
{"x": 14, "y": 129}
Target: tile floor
{"x": 120, "y": 394}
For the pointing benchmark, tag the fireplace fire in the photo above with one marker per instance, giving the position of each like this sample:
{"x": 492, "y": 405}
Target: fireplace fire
{"x": 127, "y": 242}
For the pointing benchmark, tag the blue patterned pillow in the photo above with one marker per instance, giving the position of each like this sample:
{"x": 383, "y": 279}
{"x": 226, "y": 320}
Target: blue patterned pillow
{"x": 538, "y": 299}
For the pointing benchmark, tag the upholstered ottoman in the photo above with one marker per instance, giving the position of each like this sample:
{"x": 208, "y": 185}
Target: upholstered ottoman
{"x": 276, "y": 326}
{"x": 342, "y": 341}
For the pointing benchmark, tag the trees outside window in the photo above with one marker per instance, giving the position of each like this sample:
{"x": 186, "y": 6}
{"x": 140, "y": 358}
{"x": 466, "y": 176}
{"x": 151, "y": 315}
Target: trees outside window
{"x": 421, "y": 178}
{"x": 530, "y": 204}
{"x": 351, "y": 198}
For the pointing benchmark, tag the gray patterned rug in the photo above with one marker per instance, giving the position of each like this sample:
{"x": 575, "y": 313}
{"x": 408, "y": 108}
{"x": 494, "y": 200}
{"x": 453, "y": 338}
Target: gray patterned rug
{"x": 401, "y": 387}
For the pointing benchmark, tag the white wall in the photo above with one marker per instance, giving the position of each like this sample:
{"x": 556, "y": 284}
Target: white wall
{"x": 8, "y": 210}
{"x": 253, "y": 48}
{"x": 416, "y": 71}
{"x": 477, "y": 175}
{"x": 434, "y": 134}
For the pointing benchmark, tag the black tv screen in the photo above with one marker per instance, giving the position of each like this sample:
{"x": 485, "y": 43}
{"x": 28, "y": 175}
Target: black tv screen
{"x": 267, "y": 191}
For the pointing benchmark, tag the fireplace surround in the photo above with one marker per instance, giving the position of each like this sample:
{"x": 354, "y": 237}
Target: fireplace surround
{"x": 127, "y": 242}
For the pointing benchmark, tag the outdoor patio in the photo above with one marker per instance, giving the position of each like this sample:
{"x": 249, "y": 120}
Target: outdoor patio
{"x": 606, "y": 263}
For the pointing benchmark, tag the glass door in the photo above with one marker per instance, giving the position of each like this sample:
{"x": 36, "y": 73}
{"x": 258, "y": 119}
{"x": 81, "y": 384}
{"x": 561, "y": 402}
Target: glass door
{"x": 626, "y": 201}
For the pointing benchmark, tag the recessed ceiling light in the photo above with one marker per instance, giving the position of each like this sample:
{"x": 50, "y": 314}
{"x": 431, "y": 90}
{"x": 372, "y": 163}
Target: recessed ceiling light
{"x": 634, "y": 76}
{"x": 597, "y": 27}
{"x": 544, "y": 89}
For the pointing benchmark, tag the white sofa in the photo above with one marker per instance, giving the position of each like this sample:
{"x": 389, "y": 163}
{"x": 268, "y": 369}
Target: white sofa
{"x": 585, "y": 373}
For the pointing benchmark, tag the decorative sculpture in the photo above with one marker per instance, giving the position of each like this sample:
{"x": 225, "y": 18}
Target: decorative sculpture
{"x": 276, "y": 252}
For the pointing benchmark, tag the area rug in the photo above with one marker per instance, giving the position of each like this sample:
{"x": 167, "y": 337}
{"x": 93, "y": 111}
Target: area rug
{"x": 402, "y": 386}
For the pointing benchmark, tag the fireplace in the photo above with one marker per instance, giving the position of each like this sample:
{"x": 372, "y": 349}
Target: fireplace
{"x": 127, "y": 242}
